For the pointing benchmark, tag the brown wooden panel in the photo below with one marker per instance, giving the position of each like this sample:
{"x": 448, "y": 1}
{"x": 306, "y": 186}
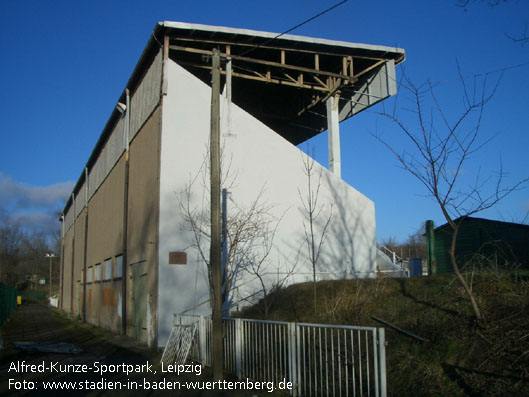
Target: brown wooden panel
{"x": 178, "y": 258}
{"x": 109, "y": 297}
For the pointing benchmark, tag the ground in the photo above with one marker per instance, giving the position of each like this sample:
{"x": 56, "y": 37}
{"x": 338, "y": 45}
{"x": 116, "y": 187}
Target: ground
{"x": 33, "y": 322}
{"x": 461, "y": 355}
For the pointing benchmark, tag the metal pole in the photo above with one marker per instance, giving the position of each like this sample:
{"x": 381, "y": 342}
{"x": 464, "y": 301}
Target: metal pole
{"x": 224, "y": 255}
{"x": 215, "y": 244}
{"x": 61, "y": 265}
{"x": 382, "y": 361}
{"x": 50, "y": 255}
{"x": 50, "y": 276}
{"x": 85, "y": 254}
{"x": 224, "y": 258}
{"x": 124, "y": 256}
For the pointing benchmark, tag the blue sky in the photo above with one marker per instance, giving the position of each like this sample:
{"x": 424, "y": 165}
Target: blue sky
{"x": 64, "y": 65}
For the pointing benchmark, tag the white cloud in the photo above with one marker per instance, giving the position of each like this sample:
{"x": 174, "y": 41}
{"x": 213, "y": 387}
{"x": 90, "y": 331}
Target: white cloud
{"x": 37, "y": 221}
{"x": 21, "y": 195}
{"x": 33, "y": 207}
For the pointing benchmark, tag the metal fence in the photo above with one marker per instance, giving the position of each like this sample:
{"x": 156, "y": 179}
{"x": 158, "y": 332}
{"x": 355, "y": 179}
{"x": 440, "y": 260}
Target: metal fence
{"x": 8, "y": 302}
{"x": 318, "y": 360}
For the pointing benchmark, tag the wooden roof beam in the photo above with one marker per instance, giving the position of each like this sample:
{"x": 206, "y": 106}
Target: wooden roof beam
{"x": 269, "y": 47}
{"x": 264, "y": 78}
{"x": 268, "y": 63}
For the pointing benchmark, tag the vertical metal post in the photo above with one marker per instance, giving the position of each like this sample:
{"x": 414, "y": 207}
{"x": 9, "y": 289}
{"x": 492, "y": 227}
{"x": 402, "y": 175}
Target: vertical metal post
{"x": 50, "y": 276}
{"x": 239, "y": 338}
{"x": 333, "y": 129}
{"x": 61, "y": 270}
{"x": 224, "y": 257}
{"x": 292, "y": 357}
{"x": 215, "y": 243}
{"x": 228, "y": 95}
{"x": 298, "y": 359}
{"x": 73, "y": 253}
{"x": 83, "y": 279}
{"x": 124, "y": 265}
{"x": 376, "y": 367}
{"x": 430, "y": 247}
{"x": 202, "y": 340}
{"x": 382, "y": 361}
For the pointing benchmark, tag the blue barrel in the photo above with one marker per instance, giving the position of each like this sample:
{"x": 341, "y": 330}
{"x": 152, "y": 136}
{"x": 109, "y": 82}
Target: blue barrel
{"x": 415, "y": 267}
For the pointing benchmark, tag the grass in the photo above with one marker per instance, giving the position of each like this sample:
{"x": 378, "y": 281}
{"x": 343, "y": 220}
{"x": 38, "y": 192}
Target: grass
{"x": 462, "y": 356}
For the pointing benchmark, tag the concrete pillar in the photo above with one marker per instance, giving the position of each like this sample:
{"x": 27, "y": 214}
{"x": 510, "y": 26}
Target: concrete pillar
{"x": 333, "y": 127}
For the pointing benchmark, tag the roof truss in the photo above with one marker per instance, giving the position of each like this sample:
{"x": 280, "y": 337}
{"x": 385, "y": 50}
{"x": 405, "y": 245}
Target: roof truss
{"x": 305, "y": 77}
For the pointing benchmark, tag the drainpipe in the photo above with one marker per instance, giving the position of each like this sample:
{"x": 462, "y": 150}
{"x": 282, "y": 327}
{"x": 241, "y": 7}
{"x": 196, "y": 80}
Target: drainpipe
{"x": 125, "y": 219}
{"x": 73, "y": 255}
{"x": 62, "y": 264}
{"x": 85, "y": 243}
{"x": 224, "y": 252}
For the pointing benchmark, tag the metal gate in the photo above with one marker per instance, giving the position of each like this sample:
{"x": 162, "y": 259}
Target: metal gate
{"x": 317, "y": 359}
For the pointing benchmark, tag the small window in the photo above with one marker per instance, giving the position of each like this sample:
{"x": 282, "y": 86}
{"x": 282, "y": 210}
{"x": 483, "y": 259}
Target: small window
{"x": 119, "y": 266}
{"x": 108, "y": 269}
{"x": 89, "y": 275}
{"x": 98, "y": 272}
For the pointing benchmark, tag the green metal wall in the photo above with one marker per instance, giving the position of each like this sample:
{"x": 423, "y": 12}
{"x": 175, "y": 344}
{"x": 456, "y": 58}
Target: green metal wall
{"x": 8, "y": 302}
{"x": 503, "y": 244}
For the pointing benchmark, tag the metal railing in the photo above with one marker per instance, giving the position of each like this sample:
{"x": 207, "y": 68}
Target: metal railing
{"x": 318, "y": 360}
{"x": 391, "y": 254}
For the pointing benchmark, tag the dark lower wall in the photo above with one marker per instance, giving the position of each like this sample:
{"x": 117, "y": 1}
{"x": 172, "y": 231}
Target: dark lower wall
{"x": 97, "y": 295}
{"x": 66, "y": 273}
{"x": 76, "y": 287}
{"x": 142, "y": 235}
{"x": 104, "y": 246}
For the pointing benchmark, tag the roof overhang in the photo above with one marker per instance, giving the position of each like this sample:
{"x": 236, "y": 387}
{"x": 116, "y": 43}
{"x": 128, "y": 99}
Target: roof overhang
{"x": 285, "y": 80}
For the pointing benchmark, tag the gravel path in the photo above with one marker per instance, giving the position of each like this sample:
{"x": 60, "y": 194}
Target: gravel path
{"x": 38, "y": 323}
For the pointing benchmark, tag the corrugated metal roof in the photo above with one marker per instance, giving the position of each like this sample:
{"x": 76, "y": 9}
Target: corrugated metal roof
{"x": 241, "y": 34}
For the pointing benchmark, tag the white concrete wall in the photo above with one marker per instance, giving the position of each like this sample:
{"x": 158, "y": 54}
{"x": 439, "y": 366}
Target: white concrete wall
{"x": 263, "y": 165}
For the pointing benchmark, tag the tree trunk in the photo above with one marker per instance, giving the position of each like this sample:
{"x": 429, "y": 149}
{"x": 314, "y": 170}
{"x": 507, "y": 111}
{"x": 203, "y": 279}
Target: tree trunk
{"x": 452, "y": 253}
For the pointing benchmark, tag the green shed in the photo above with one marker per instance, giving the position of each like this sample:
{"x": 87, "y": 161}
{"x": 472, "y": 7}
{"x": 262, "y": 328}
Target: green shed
{"x": 480, "y": 242}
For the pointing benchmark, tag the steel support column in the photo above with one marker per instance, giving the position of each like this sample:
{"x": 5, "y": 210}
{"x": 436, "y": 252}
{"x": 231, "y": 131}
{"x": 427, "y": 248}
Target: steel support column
{"x": 333, "y": 127}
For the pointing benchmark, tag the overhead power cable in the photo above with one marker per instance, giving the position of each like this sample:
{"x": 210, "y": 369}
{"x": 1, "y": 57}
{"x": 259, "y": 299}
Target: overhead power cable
{"x": 294, "y": 27}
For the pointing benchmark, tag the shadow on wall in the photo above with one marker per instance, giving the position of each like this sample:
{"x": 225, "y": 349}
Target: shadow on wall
{"x": 180, "y": 287}
{"x": 346, "y": 232}
{"x": 356, "y": 243}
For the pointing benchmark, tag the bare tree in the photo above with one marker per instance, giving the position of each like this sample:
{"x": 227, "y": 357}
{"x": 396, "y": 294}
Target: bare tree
{"x": 522, "y": 38}
{"x": 10, "y": 251}
{"x": 21, "y": 253}
{"x": 465, "y": 3}
{"x": 256, "y": 261}
{"x": 250, "y": 233}
{"x": 413, "y": 246}
{"x": 314, "y": 219}
{"x": 440, "y": 149}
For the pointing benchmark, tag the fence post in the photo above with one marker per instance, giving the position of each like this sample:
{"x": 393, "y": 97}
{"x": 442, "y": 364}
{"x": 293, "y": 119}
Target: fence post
{"x": 239, "y": 338}
{"x": 382, "y": 361}
{"x": 202, "y": 340}
{"x": 298, "y": 362}
{"x": 292, "y": 357}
